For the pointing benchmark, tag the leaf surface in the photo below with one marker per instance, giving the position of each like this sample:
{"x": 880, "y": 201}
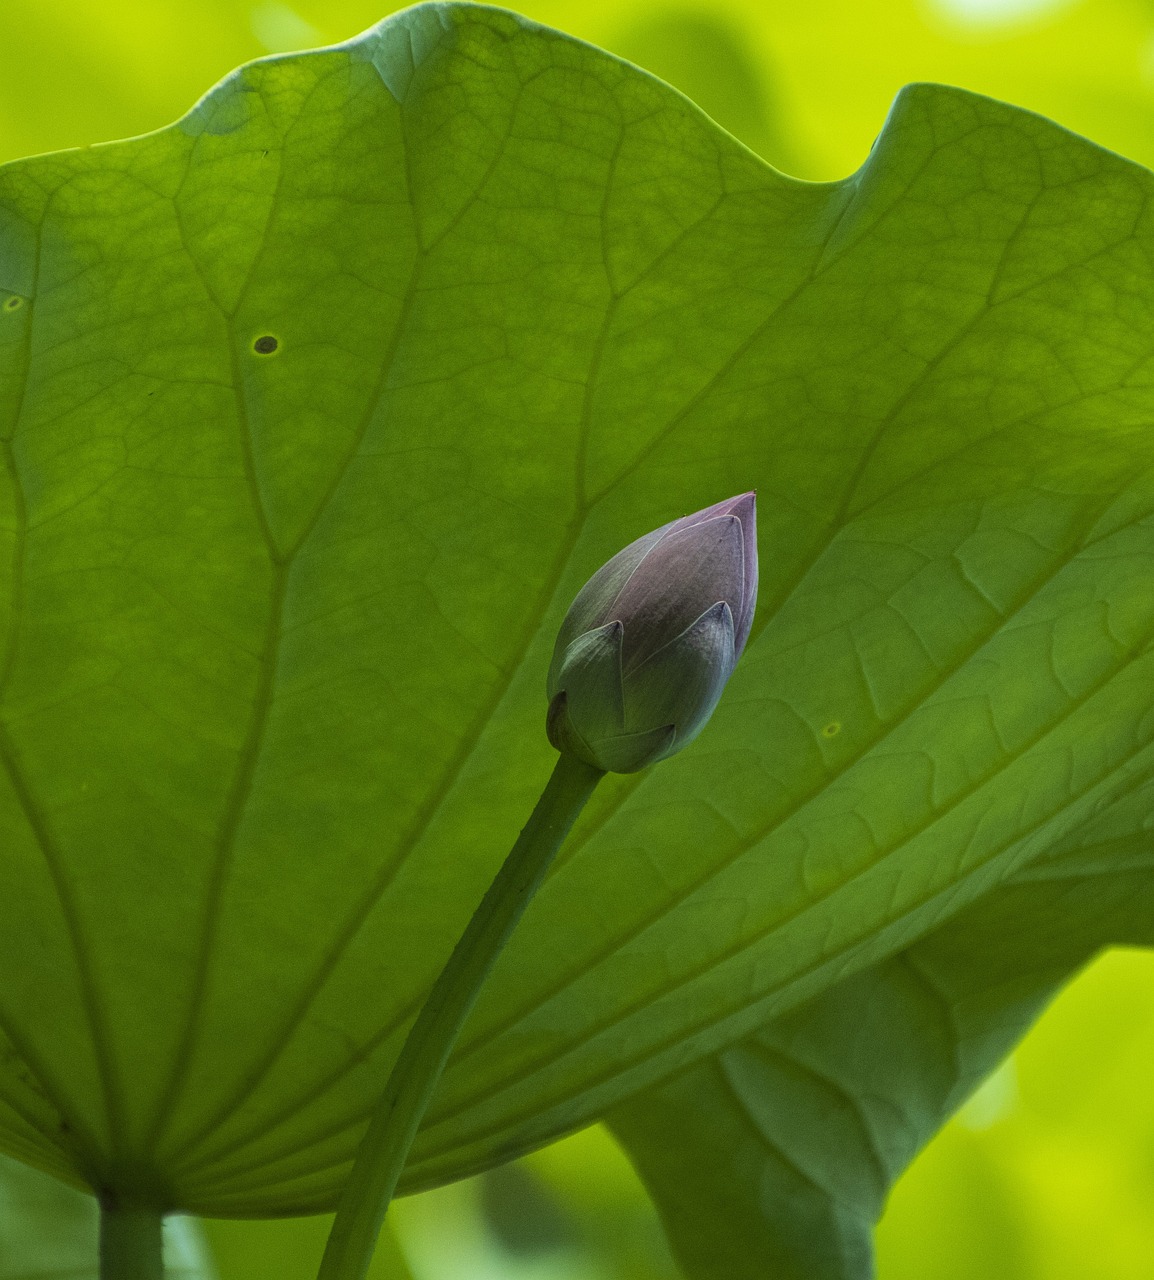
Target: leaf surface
{"x": 775, "y": 1156}
{"x": 319, "y": 406}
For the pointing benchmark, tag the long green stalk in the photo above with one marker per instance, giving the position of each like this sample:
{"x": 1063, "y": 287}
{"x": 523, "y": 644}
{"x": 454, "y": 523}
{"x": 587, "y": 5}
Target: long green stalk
{"x": 385, "y": 1147}
{"x": 131, "y": 1244}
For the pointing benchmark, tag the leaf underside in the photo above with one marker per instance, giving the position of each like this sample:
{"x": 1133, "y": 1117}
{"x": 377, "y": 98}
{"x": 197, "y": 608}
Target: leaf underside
{"x": 774, "y": 1157}
{"x": 318, "y": 407}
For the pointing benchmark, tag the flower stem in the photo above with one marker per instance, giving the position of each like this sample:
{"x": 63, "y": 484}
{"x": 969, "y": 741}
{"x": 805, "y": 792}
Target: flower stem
{"x": 131, "y": 1244}
{"x": 385, "y": 1147}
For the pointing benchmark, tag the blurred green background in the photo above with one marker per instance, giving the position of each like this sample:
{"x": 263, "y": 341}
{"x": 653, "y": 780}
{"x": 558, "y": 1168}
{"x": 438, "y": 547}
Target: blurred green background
{"x": 1048, "y": 1172}
{"x": 808, "y": 83}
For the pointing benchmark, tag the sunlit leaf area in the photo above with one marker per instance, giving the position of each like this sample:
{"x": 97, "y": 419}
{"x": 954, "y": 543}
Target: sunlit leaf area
{"x": 1046, "y": 1172}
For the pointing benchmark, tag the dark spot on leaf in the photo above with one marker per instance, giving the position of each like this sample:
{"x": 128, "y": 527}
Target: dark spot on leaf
{"x": 265, "y": 345}
{"x": 13, "y": 303}
{"x": 832, "y": 729}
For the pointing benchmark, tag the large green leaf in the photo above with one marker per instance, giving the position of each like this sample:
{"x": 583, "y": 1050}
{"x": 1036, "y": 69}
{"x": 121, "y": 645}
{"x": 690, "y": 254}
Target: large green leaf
{"x": 277, "y": 621}
{"x": 774, "y": 1157}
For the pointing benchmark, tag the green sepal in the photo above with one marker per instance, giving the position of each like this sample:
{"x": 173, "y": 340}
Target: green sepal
{"x": 681, "y": 683}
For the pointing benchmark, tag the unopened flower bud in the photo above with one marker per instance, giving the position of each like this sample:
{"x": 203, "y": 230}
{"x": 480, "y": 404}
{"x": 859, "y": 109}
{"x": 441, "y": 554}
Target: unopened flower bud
{"x": 649, "y": 642}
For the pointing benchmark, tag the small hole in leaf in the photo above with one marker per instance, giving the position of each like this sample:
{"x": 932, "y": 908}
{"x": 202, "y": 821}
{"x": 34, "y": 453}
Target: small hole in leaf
{"x": 265, "y": 345}
{"x": 832, "y": 729}
{"x": 13, "y": 303}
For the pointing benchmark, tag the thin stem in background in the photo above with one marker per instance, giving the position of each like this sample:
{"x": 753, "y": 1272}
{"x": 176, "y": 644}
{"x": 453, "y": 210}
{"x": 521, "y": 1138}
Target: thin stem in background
{"x": 131, "y": 1244}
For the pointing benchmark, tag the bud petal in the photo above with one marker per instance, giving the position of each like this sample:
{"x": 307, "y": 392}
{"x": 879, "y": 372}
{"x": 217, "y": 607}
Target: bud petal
{"x": 682, "y": 682}
{"x": 588, "y": 608}
{"x": 592, "y": 667}
{"x": 648, "y": 644}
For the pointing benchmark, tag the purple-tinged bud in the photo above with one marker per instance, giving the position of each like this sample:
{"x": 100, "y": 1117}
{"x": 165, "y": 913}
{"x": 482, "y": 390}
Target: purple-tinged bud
{"x": 652, "y": 637}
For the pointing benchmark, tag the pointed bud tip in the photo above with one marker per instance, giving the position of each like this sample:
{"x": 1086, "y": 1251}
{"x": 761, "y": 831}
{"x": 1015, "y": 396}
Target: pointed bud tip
{"x": 744, "y": 506}
{"x": 740, "y": 505}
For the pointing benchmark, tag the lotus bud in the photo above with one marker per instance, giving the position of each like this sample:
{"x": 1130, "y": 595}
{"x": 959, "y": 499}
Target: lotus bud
{"x": 652, "y": 637}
